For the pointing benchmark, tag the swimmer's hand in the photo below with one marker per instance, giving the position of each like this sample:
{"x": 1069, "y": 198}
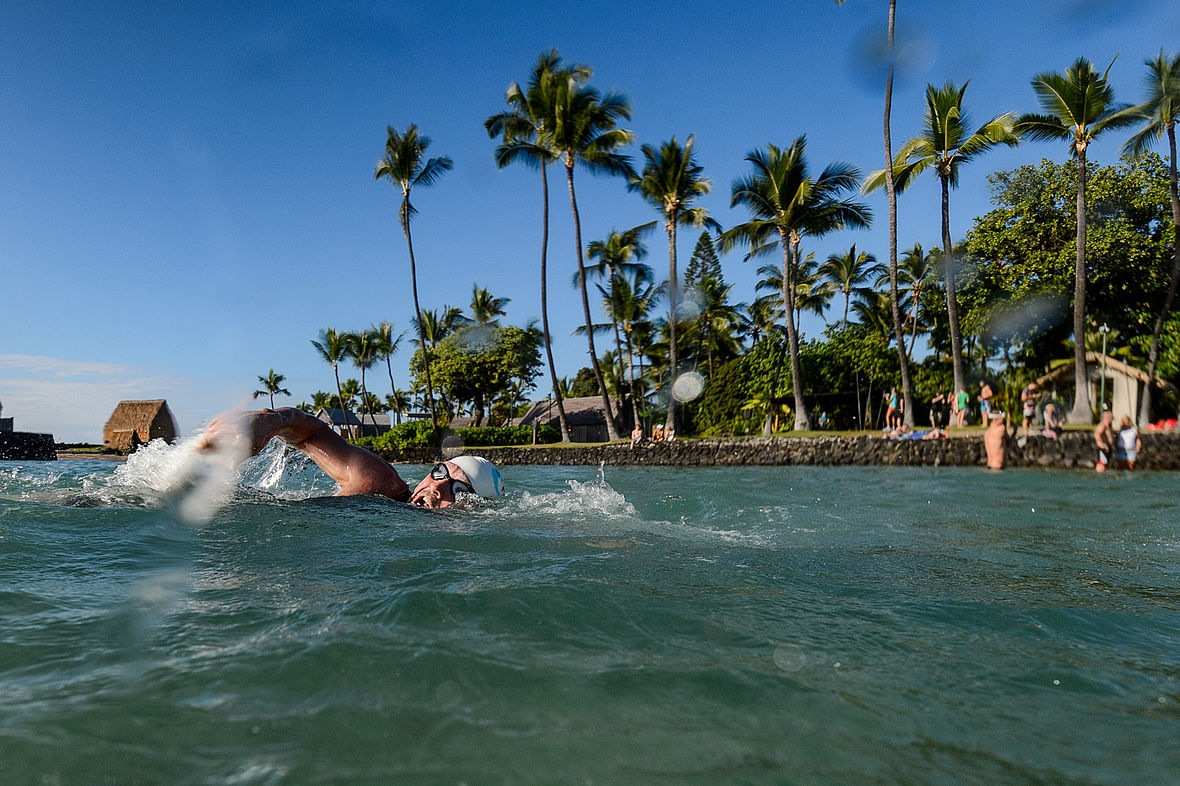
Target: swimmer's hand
{"x": 245, "y": 434}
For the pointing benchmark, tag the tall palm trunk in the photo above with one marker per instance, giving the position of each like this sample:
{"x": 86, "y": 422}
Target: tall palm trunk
{"x": 565, "y": 431}
{"x": 952, "y": 301}
{"x": 914, "y": 328}
{"x": 790, "y": 264}
{"x": 612, "y": 431}
{"x": 1154, "y": 353}
{"x": 418, "y": 320}
{"x": 631, "y": 370}
{"x": 1081, "y": 412}
{"x": 340, "y": 397}
{"x": 366, "y": 404}
{"x": 614, "y": 318}
{"x": 891, "y": 191}
{"x": 673, "y": 294}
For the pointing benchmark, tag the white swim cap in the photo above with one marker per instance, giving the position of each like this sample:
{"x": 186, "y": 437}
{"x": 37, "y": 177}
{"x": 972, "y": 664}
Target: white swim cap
{"x": 485, "y": 478}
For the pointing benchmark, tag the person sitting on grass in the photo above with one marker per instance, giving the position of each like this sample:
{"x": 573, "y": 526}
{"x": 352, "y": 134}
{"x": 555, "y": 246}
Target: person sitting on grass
{"x": 355, "y": 469}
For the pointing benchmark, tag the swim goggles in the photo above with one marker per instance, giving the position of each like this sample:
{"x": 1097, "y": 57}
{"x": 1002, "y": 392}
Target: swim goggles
{"x": 441, "y": 472}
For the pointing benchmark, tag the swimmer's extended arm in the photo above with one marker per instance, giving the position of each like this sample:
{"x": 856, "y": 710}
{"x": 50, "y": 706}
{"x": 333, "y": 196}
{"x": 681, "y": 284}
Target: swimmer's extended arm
{"x": 358, "y": 471}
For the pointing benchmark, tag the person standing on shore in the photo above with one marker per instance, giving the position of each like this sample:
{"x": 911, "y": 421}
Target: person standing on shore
{"x": 1104, "y": 440}
{"x": 962, "y": 400}
{"x": 1028, "y": 402}
{"x": 938, "y": 406}
{"x": 891, "y": 409}
{"x": 1127, "y": 444}
{"x": 985, "y": 402}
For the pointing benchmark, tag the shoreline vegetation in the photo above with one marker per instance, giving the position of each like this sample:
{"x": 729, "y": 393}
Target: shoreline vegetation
{"x": 1074, "y": 449}
{"x": 1076, "y": 260}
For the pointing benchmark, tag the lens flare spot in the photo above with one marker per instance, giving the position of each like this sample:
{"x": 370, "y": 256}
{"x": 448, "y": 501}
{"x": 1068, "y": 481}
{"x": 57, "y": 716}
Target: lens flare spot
{"x": 688, "y": 386}
{"x": 690, "y": 307}
{"x": 789, "y": 657}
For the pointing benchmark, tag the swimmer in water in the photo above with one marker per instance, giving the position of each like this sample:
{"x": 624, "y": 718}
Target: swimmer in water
{"x": 994, "y": 438}
{"x": 358, "y": 471}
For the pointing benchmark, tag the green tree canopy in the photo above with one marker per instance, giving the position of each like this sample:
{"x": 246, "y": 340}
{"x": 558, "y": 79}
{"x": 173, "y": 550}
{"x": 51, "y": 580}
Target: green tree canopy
{"x": 1025, "y": 248}
{"x": 477, "y": 364}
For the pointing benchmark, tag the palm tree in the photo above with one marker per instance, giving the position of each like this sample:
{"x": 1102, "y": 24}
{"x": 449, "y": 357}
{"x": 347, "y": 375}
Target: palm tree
{"x": 848, "y": 272}
{"x": 629, "y": 302}
{"x": 398, "y": 402}
{"x": 907, "y": 386}
{"x": 812, "y": 292}
{"x": 944, "y": 145}
{"x": 434, "y": 325}
{"x": 583, "y": 131}
{"x": 486, "y": 308}
{"x": 386, "y": 346}
{"x": 671, "y": 181}
{"x": 362, "y": 348}
{"x": 1159, "y": 113}
{"x": 524, "y": 128}
{"x": 321, "y": 400}
{"x": 404, "y": 166}
{"x": 618, "y": 254}
{"x": 917, "y": 272}
{"x": 759, "y": 319}
{"x": 333, "y": 348}
{"x": 788, "y": 203}
{"x": 873, "y": 310}
{"x": 718, "y": 324}
{"x": 1079, "y": 106}
{"x": 349, "y": 391}
{"x": 272, "y": 383}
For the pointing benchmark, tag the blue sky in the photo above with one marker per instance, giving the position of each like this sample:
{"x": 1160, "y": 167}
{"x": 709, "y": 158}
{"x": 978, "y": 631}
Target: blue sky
{"x": 187, "y": 193}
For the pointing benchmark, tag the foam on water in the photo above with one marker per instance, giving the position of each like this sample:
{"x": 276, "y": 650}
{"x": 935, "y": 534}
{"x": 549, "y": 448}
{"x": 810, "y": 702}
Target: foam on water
{"x": 589, "y": 501}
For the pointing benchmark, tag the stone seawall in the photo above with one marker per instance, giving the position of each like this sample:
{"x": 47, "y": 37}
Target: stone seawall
{"x": 1161, "y": 451}
{"x": 25, "y": 446}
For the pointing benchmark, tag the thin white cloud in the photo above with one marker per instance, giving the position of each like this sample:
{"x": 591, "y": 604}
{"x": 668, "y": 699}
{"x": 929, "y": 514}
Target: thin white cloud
{"x": 60, "y": 368}
{"x": 73, "y": 399}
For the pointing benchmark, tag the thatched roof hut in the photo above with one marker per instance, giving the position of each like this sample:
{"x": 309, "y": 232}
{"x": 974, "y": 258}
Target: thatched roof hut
{"x": 584, "y": 415}
{"x": 135, "y": 423}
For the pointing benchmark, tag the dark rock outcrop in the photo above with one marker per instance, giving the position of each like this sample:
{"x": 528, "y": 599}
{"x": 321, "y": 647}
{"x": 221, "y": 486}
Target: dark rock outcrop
{"x": 25, "y": 446}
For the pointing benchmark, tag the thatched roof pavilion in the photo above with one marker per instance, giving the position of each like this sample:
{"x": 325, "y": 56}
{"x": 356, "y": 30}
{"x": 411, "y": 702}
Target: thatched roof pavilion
{"x": 583, "y": 414}
{"x": 135, "y": 423}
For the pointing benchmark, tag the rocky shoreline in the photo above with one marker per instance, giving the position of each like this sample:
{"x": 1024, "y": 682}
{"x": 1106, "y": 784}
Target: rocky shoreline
{"x": 1161, "y": 451}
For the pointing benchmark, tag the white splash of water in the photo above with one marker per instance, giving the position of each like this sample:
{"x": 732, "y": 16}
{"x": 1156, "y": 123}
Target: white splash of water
{"x": 192, "y": 482}
{"x": 594, "y": 500}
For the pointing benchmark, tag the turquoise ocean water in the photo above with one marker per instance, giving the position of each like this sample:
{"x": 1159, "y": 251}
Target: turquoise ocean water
{"x": 751, "y": 625}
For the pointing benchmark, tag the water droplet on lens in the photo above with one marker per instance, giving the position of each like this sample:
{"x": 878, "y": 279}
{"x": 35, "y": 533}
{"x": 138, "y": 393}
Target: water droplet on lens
{"x": 688, "y": 386}
{"x": 788, "y": 657}
{"x": 448, "y": 694}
